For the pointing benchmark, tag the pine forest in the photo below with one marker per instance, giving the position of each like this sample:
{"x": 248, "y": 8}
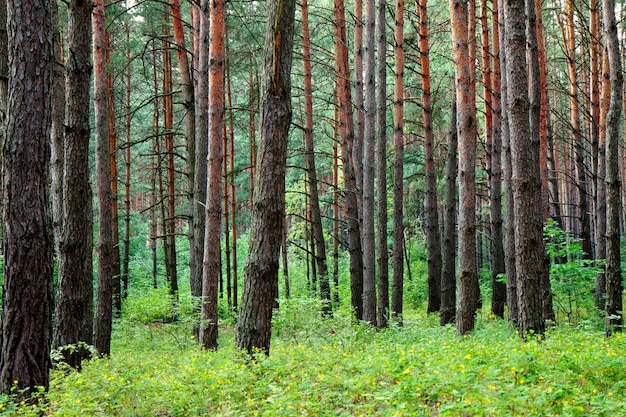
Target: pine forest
{"x": 314, "y": 208}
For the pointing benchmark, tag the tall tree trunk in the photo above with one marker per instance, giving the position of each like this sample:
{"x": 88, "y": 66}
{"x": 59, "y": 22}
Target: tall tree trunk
{"x": 544, "y": 145}
{"x": 314, "y": 204}
{"x": 116, "y": 283}
{"x": 74, "y": 300}
{"x": 253, "y": 328}
{"x": 212, "y": 245}
{"x": 189, "y": 118}
{"x": 448, "y": 269}
{"x": 359, "y": 108}
{"x": 498, "y": 299}
{"x": 614, "y": 288}
{"x": 526, "y": 180}
{"x": 601, "y": 213}
{"x": 233, "y": 196}
{"x": 398, "y": 166}
{"x": 346, "y": 132}
{"x": 156, "y": 166}
{"x": 196, "y": 254}
{"x": 367, "y": 231}
{"x": 382, "y": 254}
{"x": 431, "y": 213}
{"x": 534, "y": 96}
{"x": 509, "y": 220}
{"x": 104, "y": 295}
{"x": 127, "y": 155}
{"x": 27, "y": 288}
{"x": 466, "y": 129}
{"x": 577, "y": 140}
{"x": 168, "y": 129}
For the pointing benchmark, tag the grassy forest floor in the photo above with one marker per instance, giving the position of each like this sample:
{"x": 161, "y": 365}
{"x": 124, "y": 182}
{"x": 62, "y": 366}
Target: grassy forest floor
{"x": 332, "y": 367}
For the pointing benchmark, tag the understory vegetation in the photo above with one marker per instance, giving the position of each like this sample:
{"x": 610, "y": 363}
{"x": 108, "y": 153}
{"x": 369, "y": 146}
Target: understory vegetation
{"x": 329, "y": 367}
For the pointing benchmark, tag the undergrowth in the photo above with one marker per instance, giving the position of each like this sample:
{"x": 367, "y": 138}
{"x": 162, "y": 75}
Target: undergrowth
{"x": 332, "y": 367}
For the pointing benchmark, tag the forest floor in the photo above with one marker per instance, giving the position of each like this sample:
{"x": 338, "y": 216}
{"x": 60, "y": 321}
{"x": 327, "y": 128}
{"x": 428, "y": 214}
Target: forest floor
{"x": 333, "y": 367}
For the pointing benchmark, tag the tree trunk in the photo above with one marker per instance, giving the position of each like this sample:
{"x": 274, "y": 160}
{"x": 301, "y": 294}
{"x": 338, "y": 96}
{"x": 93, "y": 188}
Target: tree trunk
{"x": 189, "y": 118}
{"x": 466, "y": 130}
{"x": 601, "y": 198}
{"x": 448, "y": 269}
{"x": 28, "y": 263}
{"x": 526, "y": 180}
{"x": 74, "y": 300}
{"x": 431, "y": 214}
{"x": 104, "y": 295}
{"x": 116, "y": 284}
{"x": 359, "y": 108}
{"x": 382, "y": 254}
{"x": 577, "y": 140}
{"x": 127, "y": 155}
{"x": 614, "y": 315}
{"x": 498, "y": 299}
{"x": 311, "y": 171}
{"x": 534, "y": 96}
{"x": 253, "y": 329}
{"x": 509, "y": 220}
{"x": 398, "y": 166}
{"x": 368, "y": 204}
{"x": 196, "y": 254}
{"x": 169, "y": 220}
{"x": 212, "y": 245}
{"x": 346, "y": 132}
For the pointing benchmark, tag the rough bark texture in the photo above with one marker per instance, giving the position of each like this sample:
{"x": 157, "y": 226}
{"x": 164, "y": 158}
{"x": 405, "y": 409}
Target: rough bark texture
{"x": 509, "y": 220}
{"x": 104, "y": 294}
{"x": 212, "y": 243}
{"x": 311, "y": 170}
{"x": 253, "y": 329}
{"x": 448, "y": 269}
{"x": 359, "y": 108}
{"x": 74, "y": 301}
{"x": 189, "y": 118}
{"x": 27, "y": 288}
{"x": 614, "y": 312}
{"x": 605, "y": 100}
{"x": 497, "y": 240}
{"x": 540, "y": 112}
{"x": 346, "y": 131}
{"x": 431, "y": 212}
{"x": 382, "y": 254}
{"x": 196, "y": 254}
{"x": 466, "y": 130}
{"x": 577, "y": 139}
{"x": 526, "y": 180}
{"x": 367, "y": 231}
{"x": 398, "y": 166}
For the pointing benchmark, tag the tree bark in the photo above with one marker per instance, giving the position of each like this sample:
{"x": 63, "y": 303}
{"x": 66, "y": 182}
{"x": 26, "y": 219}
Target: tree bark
{"x": 614, "y": 315}
{"x": 27, "y": 289}
{"x": 448, "y": 270}
{"x": 367, "y": 231}
{"x": 311, "y": 171}
{"x": 398, "y": 166}
{"x": 346, "y": 132}
{"x": 497, "y": 240}
{"x": 212, "y": 244}
{"x": 105, "y": 246}
{"x": 431, "y": 214}
{"x": 466, "y": 130}
{"x": 526, "y": 180}
{"x": 196, "y": 254}
{"x": 74, "y": 300}
{"x": 382, "y": 254}
{"x": 253, "y": 329}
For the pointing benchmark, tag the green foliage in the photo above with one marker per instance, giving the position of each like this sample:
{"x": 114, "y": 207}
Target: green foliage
{"x": 335, "y": 367}
{"x": 571, "y": 275}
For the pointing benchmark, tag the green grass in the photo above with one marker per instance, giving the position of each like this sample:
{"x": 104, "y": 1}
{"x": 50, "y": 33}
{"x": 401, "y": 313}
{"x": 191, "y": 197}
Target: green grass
{"x": 333, "y": 367}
